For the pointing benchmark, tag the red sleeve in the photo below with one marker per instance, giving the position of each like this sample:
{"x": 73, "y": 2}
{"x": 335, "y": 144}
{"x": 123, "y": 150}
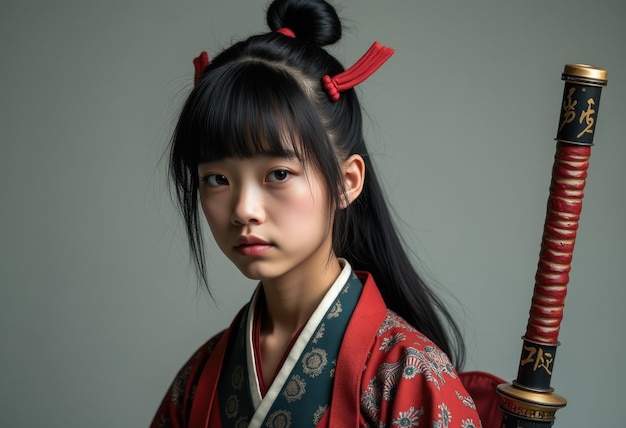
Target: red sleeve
{"x": 409, "y": 382}
{"x": 176, "y": 405}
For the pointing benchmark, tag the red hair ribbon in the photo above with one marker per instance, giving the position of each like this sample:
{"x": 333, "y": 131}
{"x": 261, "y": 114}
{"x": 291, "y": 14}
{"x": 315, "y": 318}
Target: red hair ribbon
{"x": 375, "y": 56}
{"x": 286, "y": 32}
{"x": 200, "y": 63}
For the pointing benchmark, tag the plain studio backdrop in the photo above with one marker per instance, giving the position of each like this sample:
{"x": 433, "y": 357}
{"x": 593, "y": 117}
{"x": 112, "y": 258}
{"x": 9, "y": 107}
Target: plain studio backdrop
{"x": 99, "y": 305}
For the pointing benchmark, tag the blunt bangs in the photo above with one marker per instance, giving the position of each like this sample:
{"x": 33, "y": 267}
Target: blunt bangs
{"x": 250, "y": 108}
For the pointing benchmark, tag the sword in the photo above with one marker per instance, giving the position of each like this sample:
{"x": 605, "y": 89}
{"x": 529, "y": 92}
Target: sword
{"x": 529, "y": 401}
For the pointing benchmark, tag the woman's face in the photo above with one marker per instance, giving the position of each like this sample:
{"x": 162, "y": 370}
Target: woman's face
{"x": 269, "y": 215}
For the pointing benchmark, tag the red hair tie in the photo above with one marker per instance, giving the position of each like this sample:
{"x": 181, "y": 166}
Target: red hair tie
{"x": 286, "y": 32}
{"x": 375, "y": 56}
{"x": 200, "y": 63}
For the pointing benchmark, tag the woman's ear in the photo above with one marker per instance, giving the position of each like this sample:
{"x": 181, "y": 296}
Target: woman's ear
{"x": 353, "y": 178}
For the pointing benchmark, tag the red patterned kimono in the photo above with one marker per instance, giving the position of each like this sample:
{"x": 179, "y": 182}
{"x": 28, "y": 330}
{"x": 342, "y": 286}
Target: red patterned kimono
{"x": 355, "y": 364}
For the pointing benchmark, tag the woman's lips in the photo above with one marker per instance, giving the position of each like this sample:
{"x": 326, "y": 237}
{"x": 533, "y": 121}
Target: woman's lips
{"x": 252, "y": 246}
{"x": 252, "y": 250}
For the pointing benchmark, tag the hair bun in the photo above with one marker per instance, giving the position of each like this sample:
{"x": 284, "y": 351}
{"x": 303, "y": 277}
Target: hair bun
{"x": 310, "y": 20}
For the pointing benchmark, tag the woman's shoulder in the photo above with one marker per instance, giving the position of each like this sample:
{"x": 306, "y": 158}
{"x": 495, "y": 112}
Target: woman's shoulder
{"x": 176, "y": 404}
{"x": 187, "y": 375}
{"x": 396, "y": 338}
{"x": 409, "y": 378}
{"x": 394, "y": 324}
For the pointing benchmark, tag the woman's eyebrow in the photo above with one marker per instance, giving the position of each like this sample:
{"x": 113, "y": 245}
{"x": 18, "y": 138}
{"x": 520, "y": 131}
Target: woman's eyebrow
{"x": 285, "y": 154}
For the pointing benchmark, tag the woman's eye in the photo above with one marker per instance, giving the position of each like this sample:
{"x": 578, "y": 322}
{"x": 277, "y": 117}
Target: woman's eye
{"x": 278, "y": 175}
{"x": 215, "y": 180}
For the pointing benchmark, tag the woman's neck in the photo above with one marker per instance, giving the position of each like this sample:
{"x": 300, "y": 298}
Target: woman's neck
{"x": 291, "y": 301}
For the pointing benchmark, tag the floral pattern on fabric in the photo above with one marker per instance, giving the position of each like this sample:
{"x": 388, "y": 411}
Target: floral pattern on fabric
{"x": 409, "y": 382}
{"x": 313, "y": 362}
{"x": 279, "y": 419}
{"x": 410, "y": 418}
{"x": 295, "y": 389}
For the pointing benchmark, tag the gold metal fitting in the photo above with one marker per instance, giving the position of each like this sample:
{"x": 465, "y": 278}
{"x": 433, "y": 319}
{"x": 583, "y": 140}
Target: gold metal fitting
{"x": 538, "y": 406}
{"x": 584, "y": 73}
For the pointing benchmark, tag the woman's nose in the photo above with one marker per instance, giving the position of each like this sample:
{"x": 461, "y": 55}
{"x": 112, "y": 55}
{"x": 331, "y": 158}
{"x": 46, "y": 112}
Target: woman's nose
{"x": 248, "y": 207}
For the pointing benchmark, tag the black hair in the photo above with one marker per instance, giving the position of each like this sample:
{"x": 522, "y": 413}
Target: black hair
{"x": 242, "y": 104}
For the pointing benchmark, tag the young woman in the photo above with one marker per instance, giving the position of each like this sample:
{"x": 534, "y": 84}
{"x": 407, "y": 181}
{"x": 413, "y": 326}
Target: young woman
{"x": 340, "y": 331}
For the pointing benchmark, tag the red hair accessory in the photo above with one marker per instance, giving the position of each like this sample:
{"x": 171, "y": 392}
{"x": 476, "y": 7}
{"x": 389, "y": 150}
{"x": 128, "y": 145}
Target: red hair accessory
{"x": 200, "y": 63}
{"x": 375, "y": 56}
{"x": 286, "y": 32}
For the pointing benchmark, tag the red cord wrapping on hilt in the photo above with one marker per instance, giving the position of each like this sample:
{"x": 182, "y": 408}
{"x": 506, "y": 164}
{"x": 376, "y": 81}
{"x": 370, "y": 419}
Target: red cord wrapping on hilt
{"x": 563, "y": 213}
{"x": 373, "y": 59}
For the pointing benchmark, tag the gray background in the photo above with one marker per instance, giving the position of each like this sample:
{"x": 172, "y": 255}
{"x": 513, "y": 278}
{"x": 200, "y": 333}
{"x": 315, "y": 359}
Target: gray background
{"x": 98, "y": 304}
